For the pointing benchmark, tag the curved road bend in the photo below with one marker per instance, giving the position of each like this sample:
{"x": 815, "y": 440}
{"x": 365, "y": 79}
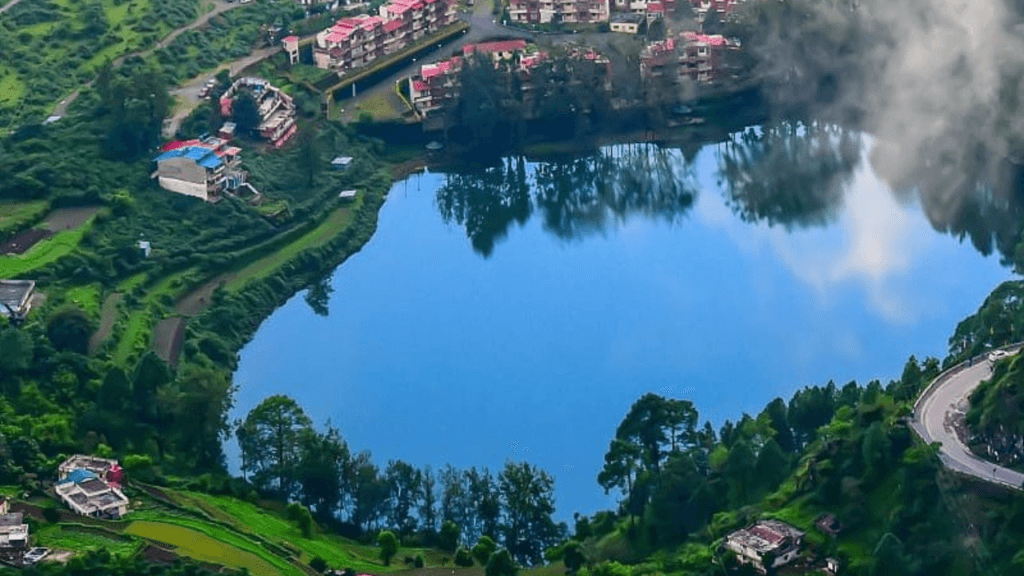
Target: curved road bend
{"x": 932, "y": 422}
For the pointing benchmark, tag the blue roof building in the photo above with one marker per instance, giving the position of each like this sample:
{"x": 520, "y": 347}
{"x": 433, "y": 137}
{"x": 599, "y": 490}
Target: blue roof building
{"x": 198, "y": 168}
{"x": 78, "y": 476}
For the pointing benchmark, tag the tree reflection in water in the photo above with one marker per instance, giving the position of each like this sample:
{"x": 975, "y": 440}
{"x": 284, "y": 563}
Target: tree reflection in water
{"x": 576, "y": 197}
{"x": 789, "y": 174}
{"x": 793, "y": 175}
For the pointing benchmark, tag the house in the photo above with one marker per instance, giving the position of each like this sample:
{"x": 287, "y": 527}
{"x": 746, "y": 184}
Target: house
{"x": 276, "y": 109}
{"x": 357, "y": 41}
{"x": 565, "y": 11}
{"x": 291, "y": 47}
{"x": 87, "y": 495}
{"x": 98, "y": 466}
{"x": 227, "y": 131}
{"x": 765, "y": 537}
{"x": 348, "y": 194}
{"x": 200, "y": 168}
{"x": 341, "y": 163}
{"x": 16, "y": 298}
{"x": 498, "y": 51}
{"x": 13, "y": 529}
{"x": 832, "y": 566}
{"x": 91, "y": 486}
{"x": 146, "y": 248}
{"x": 626, "y": 23}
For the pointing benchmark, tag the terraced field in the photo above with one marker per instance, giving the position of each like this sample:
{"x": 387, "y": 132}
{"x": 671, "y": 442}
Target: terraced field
{"x": 204, "y": 548}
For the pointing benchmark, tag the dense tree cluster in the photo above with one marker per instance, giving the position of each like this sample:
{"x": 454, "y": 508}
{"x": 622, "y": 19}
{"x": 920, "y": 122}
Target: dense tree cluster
{"x": 284, "y": 455}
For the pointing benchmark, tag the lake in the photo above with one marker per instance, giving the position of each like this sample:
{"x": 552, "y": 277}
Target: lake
{"x": 517, "y": 312}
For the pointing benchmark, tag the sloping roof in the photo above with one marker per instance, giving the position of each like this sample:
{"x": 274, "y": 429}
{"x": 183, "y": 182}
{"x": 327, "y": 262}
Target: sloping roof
{"x": 291, "y": 39}
{"x": 489, "y": 47}
{"x": 392, "y": 25}
{"x": 428, "y": 71}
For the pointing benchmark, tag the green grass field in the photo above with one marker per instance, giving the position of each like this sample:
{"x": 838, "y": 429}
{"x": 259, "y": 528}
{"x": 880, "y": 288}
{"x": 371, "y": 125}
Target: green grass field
{"x": 134, "y": 337}
{"x": 85, "y": 297}
{"x": 318, "y": 236}
{"x": 15, "y": 214}
{"x": 223, "y": 548}
{"x": 72, "y": 538}
{"x": 43, "y": 253}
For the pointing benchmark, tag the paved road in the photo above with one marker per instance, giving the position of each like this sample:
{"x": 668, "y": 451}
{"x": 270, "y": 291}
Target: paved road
{"x": 188, "y": 93}
{"x": 220, "y": 6}
{"x": 932, "y": 415}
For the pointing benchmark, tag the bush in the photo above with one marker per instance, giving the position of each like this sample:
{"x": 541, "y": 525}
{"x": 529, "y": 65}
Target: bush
{"x": 51, "y": 515}
{"x": 463, "y": 558}
{"x": 418, "y": 562}
{"x": 318, "y": 564}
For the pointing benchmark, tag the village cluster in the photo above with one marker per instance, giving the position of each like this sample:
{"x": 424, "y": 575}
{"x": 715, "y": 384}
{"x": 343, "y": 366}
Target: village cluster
{"x": 86, "y": 485}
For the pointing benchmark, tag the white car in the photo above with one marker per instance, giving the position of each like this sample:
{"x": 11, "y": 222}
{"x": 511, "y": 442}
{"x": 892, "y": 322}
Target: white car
{"x": 997, "y": 355}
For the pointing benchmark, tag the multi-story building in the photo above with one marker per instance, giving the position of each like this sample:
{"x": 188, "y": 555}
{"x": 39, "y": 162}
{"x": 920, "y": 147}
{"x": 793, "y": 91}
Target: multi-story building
{"x": 437, "y": 85}
{"x": 356, "y": 41}
{"x": 13, "y": 529}
{"x": 650, "y": 9}
{"x": 276, "y": 109}
{"x": 697, "y": 57}
{"x": 722, "y": 7}
{"x": 565, "y": 11}
{"x": 200, "y": 168}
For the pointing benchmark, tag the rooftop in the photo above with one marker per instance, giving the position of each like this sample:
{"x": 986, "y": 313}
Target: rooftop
{"x": 765, "y": 535}
{"x": 15, "y": 519}
{"x": 15, "y": 293}
{"x": 491, "y": 47}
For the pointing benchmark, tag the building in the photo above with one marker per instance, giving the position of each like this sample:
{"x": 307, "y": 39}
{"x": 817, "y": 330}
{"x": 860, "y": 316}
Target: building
{"x": 356, "y": 41}
{"x": 724, "y": 8}
{"x": 87, "y": 495}
{"x": 16, "y": 298}
{"x": 291, "y": 47}
{"x": 13, "y": 529}
{"x": 98, "y": 466}
{"x": 765, "y": 537}
{"x": 498, "y": 51}
{"x": 626, "y": 23}
{"x": 201, "y": 168}
{"x": 91, "y": 486}
{"x": 693, "y": 56}
{"x": 555, "y": 11}
{"x": 348, "y": 194}
{"x": 276, "y": 109}
{"x": 341, "y": 163}
{"x": 436, "y": 86}
{"x": 146, "y": 248}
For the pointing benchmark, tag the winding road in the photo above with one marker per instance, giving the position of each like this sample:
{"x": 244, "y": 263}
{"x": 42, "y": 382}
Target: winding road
{"x": 946, "y": 397}
{"x": 220, "y": 6}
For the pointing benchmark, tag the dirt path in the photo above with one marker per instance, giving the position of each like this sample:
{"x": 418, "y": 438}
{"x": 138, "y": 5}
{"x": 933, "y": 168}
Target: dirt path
{"x": 68, "y": 218}
{"x": 108, "y": 316}
{"x": 197, "y": 300}
{"x": 220, "y": 7}
{"x": 8, "y": 6}
{"x": 168, "y": 337}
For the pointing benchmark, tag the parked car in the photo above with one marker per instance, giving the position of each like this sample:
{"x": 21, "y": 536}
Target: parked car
{"x": 998, "y": 355}
{"x": 204, "y": 92}
{"x": 35, "y": 555}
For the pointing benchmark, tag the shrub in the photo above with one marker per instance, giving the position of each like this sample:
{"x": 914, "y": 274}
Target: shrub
{"x": 463, "y": 558}
{"x": 418, "y": 562}
{"x": 318, "y": 564}
{"x": 52, "y": 515}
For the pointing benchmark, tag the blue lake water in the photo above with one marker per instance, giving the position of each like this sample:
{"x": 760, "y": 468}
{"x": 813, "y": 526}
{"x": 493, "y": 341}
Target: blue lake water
{"x": 433, "y": 353}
